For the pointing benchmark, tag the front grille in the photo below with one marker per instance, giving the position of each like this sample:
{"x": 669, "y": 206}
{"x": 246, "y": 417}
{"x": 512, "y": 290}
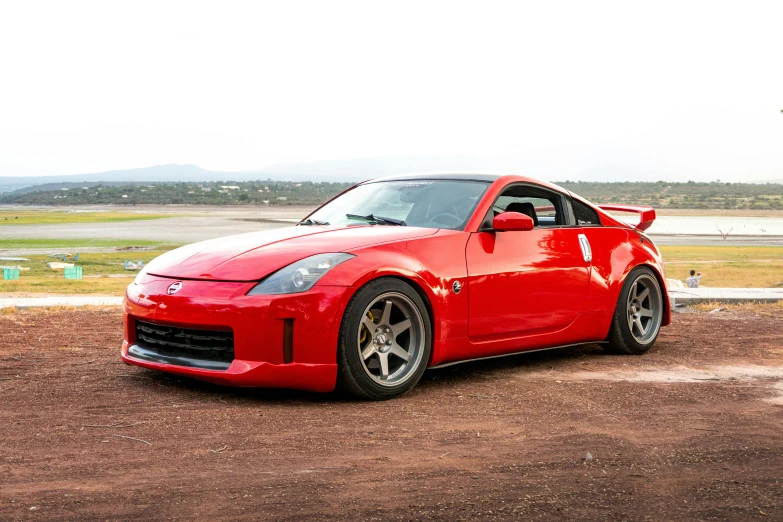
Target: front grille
{"x": 186, "y": 344}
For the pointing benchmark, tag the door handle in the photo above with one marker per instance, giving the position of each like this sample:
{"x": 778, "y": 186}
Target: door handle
{"x": 587, "y": 252}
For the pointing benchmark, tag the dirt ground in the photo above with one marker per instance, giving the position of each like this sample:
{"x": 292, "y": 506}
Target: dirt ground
{"x": 692, "y": 430}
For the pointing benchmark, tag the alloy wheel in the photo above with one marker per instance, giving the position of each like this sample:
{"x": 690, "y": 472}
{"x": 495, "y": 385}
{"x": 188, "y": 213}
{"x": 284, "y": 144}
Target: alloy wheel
{"x": 644, "y": 310}
{"x": 390, "y": 339}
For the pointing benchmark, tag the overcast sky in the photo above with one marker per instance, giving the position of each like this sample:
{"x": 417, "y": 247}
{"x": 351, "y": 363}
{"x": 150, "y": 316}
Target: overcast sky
{"x": 690, "y": 89}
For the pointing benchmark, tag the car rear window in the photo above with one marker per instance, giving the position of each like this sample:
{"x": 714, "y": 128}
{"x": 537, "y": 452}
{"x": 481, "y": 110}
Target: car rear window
{"x": 585, "y": 216}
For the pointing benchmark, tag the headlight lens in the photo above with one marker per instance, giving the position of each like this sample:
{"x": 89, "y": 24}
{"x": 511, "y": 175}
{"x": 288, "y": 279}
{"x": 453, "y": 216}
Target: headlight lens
{"x": 300, "y": 276}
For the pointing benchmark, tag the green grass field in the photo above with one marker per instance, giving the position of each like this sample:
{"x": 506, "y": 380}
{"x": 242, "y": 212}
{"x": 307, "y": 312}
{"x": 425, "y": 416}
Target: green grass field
{"x": 723, "y": 266}
{"x": 51, "y": 217}
{"x": 96, "y": 267}
{"x": 727, "y": 253}
{"x": 726, "y": 266}
{"x": 72, "y": 244}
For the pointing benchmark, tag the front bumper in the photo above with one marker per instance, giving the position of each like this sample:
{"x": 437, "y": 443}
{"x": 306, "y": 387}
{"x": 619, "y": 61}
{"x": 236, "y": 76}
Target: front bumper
{"x": 281, "y": 341}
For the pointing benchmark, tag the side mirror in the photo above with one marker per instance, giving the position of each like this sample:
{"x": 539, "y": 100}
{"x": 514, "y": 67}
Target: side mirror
{"x": 508, "y": 221}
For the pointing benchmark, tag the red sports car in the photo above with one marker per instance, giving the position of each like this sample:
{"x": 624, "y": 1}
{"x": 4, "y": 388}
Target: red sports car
{"x": 397, "y": 275}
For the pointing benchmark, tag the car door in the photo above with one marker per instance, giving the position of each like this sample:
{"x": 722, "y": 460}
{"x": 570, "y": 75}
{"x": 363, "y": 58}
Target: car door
{"x": 529, "y": 282}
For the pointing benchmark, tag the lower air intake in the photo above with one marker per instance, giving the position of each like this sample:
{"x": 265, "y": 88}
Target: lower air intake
{"x": 209, "y": 349}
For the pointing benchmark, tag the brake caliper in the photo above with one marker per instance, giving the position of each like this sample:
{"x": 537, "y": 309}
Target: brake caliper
{"x": 364, "y": 328}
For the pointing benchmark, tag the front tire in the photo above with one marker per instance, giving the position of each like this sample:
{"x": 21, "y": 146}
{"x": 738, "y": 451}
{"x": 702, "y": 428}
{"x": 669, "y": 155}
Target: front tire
{"x": 638, "y": 314}
{"x": 385, "y": 340}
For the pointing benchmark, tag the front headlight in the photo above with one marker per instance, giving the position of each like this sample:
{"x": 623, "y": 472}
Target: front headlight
{"x": 300, "y": 276}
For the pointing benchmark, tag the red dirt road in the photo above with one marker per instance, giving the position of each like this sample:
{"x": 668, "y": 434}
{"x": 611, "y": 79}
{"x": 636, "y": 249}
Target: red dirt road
{"x": 500, "y": 440}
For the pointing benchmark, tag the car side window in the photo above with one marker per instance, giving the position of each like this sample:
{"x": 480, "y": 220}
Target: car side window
{"x": 585, "y": 216}
{"x": 546, "y": 208}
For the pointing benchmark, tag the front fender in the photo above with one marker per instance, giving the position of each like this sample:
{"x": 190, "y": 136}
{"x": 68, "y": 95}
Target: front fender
{"x": 432, "y": 264}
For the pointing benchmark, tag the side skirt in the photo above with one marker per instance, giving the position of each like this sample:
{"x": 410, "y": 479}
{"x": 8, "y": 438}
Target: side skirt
{"x": 452, "y": 363}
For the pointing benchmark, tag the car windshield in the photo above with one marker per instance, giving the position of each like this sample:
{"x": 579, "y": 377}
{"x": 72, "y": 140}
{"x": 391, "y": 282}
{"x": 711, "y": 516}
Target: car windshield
{"x": 416, "y": 203}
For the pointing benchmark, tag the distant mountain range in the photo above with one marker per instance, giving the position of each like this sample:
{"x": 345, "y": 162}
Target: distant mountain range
{"x": 334, "y": 171}
{"x": 158, "y": 173}
{"x": 606, "y": 166}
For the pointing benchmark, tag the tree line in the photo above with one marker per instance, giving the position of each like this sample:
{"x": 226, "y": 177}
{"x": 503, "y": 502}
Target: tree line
{"x": 660, "y": 194}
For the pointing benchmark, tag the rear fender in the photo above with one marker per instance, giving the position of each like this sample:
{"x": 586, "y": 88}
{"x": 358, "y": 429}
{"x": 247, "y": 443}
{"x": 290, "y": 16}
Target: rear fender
{"x": 667, "y": 307}
{"x": 617, "y": 251}
{"x": 647, "y": 256}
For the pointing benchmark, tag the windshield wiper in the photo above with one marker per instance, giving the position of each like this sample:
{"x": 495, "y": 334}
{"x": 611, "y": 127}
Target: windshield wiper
{"x": 309, "y": 221}
{"x": 378, "y": 219}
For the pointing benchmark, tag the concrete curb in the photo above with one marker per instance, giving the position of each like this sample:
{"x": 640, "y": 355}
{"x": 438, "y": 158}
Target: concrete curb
{"x": 725, "y": 295}
{"x": 64, "y": 300}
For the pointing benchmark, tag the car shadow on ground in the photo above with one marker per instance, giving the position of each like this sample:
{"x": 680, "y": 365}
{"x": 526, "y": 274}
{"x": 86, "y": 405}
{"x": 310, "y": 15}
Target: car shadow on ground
{"x": 534, "y": 361}
{"x": 458, "y": 374}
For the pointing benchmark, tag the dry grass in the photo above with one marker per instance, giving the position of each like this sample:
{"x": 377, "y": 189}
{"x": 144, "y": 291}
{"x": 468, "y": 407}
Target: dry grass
{"x": 73, "y": 244}
{"x": 732, "y": 275}
{"x": 766, "y": 309}
{"x": 723, "y": 266}
{"x": 47, "y": 217}
{"x": 726, "y": 266}
{"x": 41, "y": 279}
{"x": 721, "y": 253}
{"x": 57, "y": 284}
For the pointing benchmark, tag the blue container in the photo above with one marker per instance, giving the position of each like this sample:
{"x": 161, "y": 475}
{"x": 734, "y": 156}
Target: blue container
{"x": 10, "y": 273}
{"x": 72, "y": 272}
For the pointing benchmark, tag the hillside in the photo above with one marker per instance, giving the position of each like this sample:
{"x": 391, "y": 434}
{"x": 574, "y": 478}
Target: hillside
{"x": 208, "y": 193}
{"x": 662, "y": 195}
{"x": 172, "y": 173}
{"x": 357, "y": 169}
{"x": 690, "y": 195}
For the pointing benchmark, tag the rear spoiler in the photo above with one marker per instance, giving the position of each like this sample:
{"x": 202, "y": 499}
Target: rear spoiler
{"x": 646, "y": 214}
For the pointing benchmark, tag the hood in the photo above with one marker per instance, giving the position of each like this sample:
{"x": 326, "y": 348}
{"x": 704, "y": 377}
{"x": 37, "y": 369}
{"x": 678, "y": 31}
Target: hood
{"x": 253, "y": 256}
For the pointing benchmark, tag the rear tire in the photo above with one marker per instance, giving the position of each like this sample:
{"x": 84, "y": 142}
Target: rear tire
{"x": 385, "y": 341}
{"x": 638, "y": 314}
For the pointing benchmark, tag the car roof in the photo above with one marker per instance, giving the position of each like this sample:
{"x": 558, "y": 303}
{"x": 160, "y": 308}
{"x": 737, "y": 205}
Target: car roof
{"x": 455, "y": 176}
{"x": 485, "y": 177}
